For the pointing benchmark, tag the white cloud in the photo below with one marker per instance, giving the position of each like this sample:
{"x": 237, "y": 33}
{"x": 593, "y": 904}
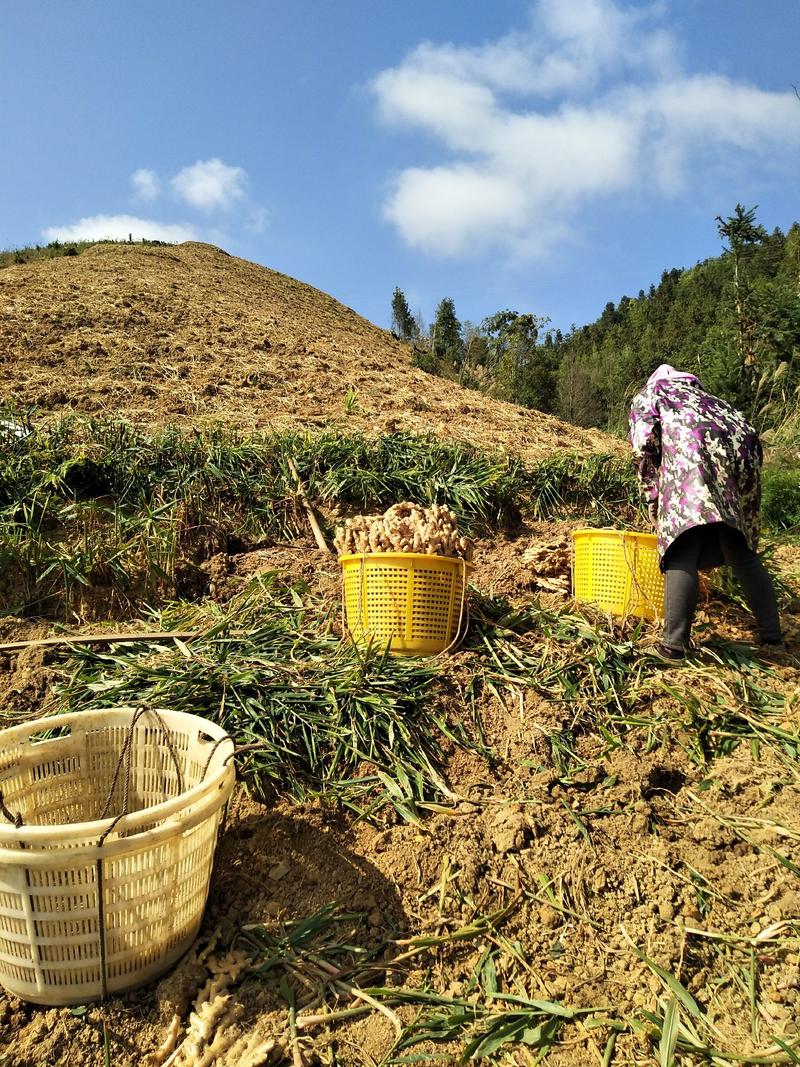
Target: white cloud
{"x": 146, "y": 185}
{"x": 205, "y": 185}
{"x": 447, "y": 210}
{"x": 119, "y": 228}
{"x": 257, "y": 219}
{"x": 590, "y": 100}
{"x": 210, "y": 184}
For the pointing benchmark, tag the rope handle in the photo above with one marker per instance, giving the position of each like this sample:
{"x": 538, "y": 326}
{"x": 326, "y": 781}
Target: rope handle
{"x": 16, "y": 820}
{"x": 461, "y": 630}
{"x": 125, "y": 757}
{"x": 633, "y": 567}
{"x": 235, "y": 751}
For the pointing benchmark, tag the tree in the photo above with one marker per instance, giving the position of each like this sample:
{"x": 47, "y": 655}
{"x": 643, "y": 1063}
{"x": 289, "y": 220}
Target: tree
{"x": 446, "y": 334}
{"x": 578, "y": 399}
{"x": 403, "y": 322}
{"x": 475, "y": 357}
{"x": 742, "y": 233}
{"x": 524, "y": 372}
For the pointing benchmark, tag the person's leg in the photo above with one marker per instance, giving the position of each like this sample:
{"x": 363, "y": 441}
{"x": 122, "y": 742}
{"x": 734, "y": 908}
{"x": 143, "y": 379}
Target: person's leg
{"x": 755, "y": 583}
{"x": 680, "y": 588}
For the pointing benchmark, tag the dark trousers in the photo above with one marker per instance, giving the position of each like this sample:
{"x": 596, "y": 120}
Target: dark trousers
{"x": 681, "y": 582}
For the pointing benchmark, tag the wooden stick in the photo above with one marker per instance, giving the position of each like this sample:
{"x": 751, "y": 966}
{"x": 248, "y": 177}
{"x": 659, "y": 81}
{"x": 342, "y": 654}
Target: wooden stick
{"x": 101, "y": 639}
{"x": 312, "y": 518}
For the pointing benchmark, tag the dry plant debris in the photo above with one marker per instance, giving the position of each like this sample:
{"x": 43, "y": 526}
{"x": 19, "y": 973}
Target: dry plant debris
{"x": 405, "y": 527}
{"x": 187, "y": 335}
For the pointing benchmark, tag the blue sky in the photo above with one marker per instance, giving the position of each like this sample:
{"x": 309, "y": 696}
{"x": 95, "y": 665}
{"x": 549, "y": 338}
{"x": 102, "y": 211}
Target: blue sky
{"x": 545, "y": 156}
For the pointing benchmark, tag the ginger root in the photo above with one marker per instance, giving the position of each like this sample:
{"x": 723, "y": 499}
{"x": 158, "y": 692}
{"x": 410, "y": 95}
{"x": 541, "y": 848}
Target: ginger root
{"x": 212, "y": 1024}
{"x": 405, "y": 527}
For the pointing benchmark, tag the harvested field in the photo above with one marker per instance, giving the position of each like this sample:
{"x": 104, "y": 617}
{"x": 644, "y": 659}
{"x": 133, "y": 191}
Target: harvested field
{"x": 547, "y": 847}
{"x": 188, "y": 335}
{"x": 597, "y": 850}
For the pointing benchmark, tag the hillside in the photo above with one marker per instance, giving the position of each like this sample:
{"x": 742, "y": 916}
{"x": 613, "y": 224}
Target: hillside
{"x": 689, "y": 319}
{"x": 188, "y": 334}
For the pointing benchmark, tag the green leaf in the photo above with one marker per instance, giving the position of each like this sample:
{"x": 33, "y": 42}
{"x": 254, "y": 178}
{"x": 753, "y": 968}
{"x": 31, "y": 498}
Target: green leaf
{"x": 501, "y": 1031}
{"x": 675, "y": 987}
{"x": 669, "y": 1034}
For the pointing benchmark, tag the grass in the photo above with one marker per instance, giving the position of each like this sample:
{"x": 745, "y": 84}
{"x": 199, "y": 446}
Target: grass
{"x": 780, "y": 502}
{"x": 96, "y": 503}
{"x": 325, "y": 967}
{"x": 610, "y": 684}
{"x": 90, "y": 504}
{"x": 321, "y": 961}
{"x": 600, "y": 486}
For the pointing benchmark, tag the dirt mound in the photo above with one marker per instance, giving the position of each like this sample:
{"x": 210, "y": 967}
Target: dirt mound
{"x": 187, "y": 334}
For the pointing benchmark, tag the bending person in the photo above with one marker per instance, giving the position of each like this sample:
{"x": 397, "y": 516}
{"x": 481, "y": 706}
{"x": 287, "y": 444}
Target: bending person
{"x": 699, "y": 467}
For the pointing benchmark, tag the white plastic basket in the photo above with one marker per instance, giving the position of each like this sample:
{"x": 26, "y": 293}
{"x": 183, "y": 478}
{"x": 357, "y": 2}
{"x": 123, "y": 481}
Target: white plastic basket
{"x": 95, "y": 901}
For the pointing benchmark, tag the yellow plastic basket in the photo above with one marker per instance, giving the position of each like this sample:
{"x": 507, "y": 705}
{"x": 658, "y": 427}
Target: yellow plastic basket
{"x": 618, "y": 571}
{"x": 413, "y": 602}
{"x": 91, "y": 906}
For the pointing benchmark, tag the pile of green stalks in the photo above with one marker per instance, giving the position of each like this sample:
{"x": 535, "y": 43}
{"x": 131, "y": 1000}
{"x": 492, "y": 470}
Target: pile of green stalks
{"x": 319, "y": 716}
{"x": 599, "y": 486}
{"x": 360, "y": 727}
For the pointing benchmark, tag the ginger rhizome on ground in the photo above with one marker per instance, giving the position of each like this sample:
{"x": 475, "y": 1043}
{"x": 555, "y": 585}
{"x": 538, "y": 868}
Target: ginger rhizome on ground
{"x": 404, "y": 528}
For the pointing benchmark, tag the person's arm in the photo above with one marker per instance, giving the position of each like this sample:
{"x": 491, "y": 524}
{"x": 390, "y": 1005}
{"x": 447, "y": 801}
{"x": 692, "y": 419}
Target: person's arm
{"x": 644, "y": 435}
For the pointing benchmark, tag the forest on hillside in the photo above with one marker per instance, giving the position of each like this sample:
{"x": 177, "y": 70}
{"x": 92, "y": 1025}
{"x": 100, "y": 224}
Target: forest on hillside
{"x": 733, "y": 319}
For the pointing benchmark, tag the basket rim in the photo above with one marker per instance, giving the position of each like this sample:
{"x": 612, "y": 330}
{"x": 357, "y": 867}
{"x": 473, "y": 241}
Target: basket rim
{"x": 177, "y": 825}
{"x": 589, "y": 531}
{"x": 184, "y": 802}
{"x": 428, "y": 556}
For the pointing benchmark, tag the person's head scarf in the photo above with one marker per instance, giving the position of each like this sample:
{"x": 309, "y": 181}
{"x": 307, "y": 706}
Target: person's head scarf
{"x": 666, "y": 372}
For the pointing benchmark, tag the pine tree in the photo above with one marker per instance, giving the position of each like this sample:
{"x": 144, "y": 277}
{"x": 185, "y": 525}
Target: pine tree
{"x": 446, "y": 334}
{"x": 403, "y": 322}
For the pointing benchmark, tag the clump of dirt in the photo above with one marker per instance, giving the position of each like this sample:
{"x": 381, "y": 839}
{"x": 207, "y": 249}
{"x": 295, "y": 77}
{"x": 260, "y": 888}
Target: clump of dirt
{"x": 532, "y": 557}
{"x": 300, "y": 563}
{"x": 27, "y": 677}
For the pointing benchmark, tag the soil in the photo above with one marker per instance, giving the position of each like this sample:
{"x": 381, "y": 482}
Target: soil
{"x": 187, "y": 335}
{"x": 632, "y": 849}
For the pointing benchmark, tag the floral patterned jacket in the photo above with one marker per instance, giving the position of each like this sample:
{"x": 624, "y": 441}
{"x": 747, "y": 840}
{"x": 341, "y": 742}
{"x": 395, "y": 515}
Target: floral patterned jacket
{"x": 697, "y": 459}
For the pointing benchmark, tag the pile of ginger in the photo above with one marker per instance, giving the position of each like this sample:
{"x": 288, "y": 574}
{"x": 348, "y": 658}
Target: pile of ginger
{"x": 404, "y": 528}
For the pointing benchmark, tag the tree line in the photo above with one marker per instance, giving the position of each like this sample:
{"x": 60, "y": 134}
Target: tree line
{"x": 734, "y": 320}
